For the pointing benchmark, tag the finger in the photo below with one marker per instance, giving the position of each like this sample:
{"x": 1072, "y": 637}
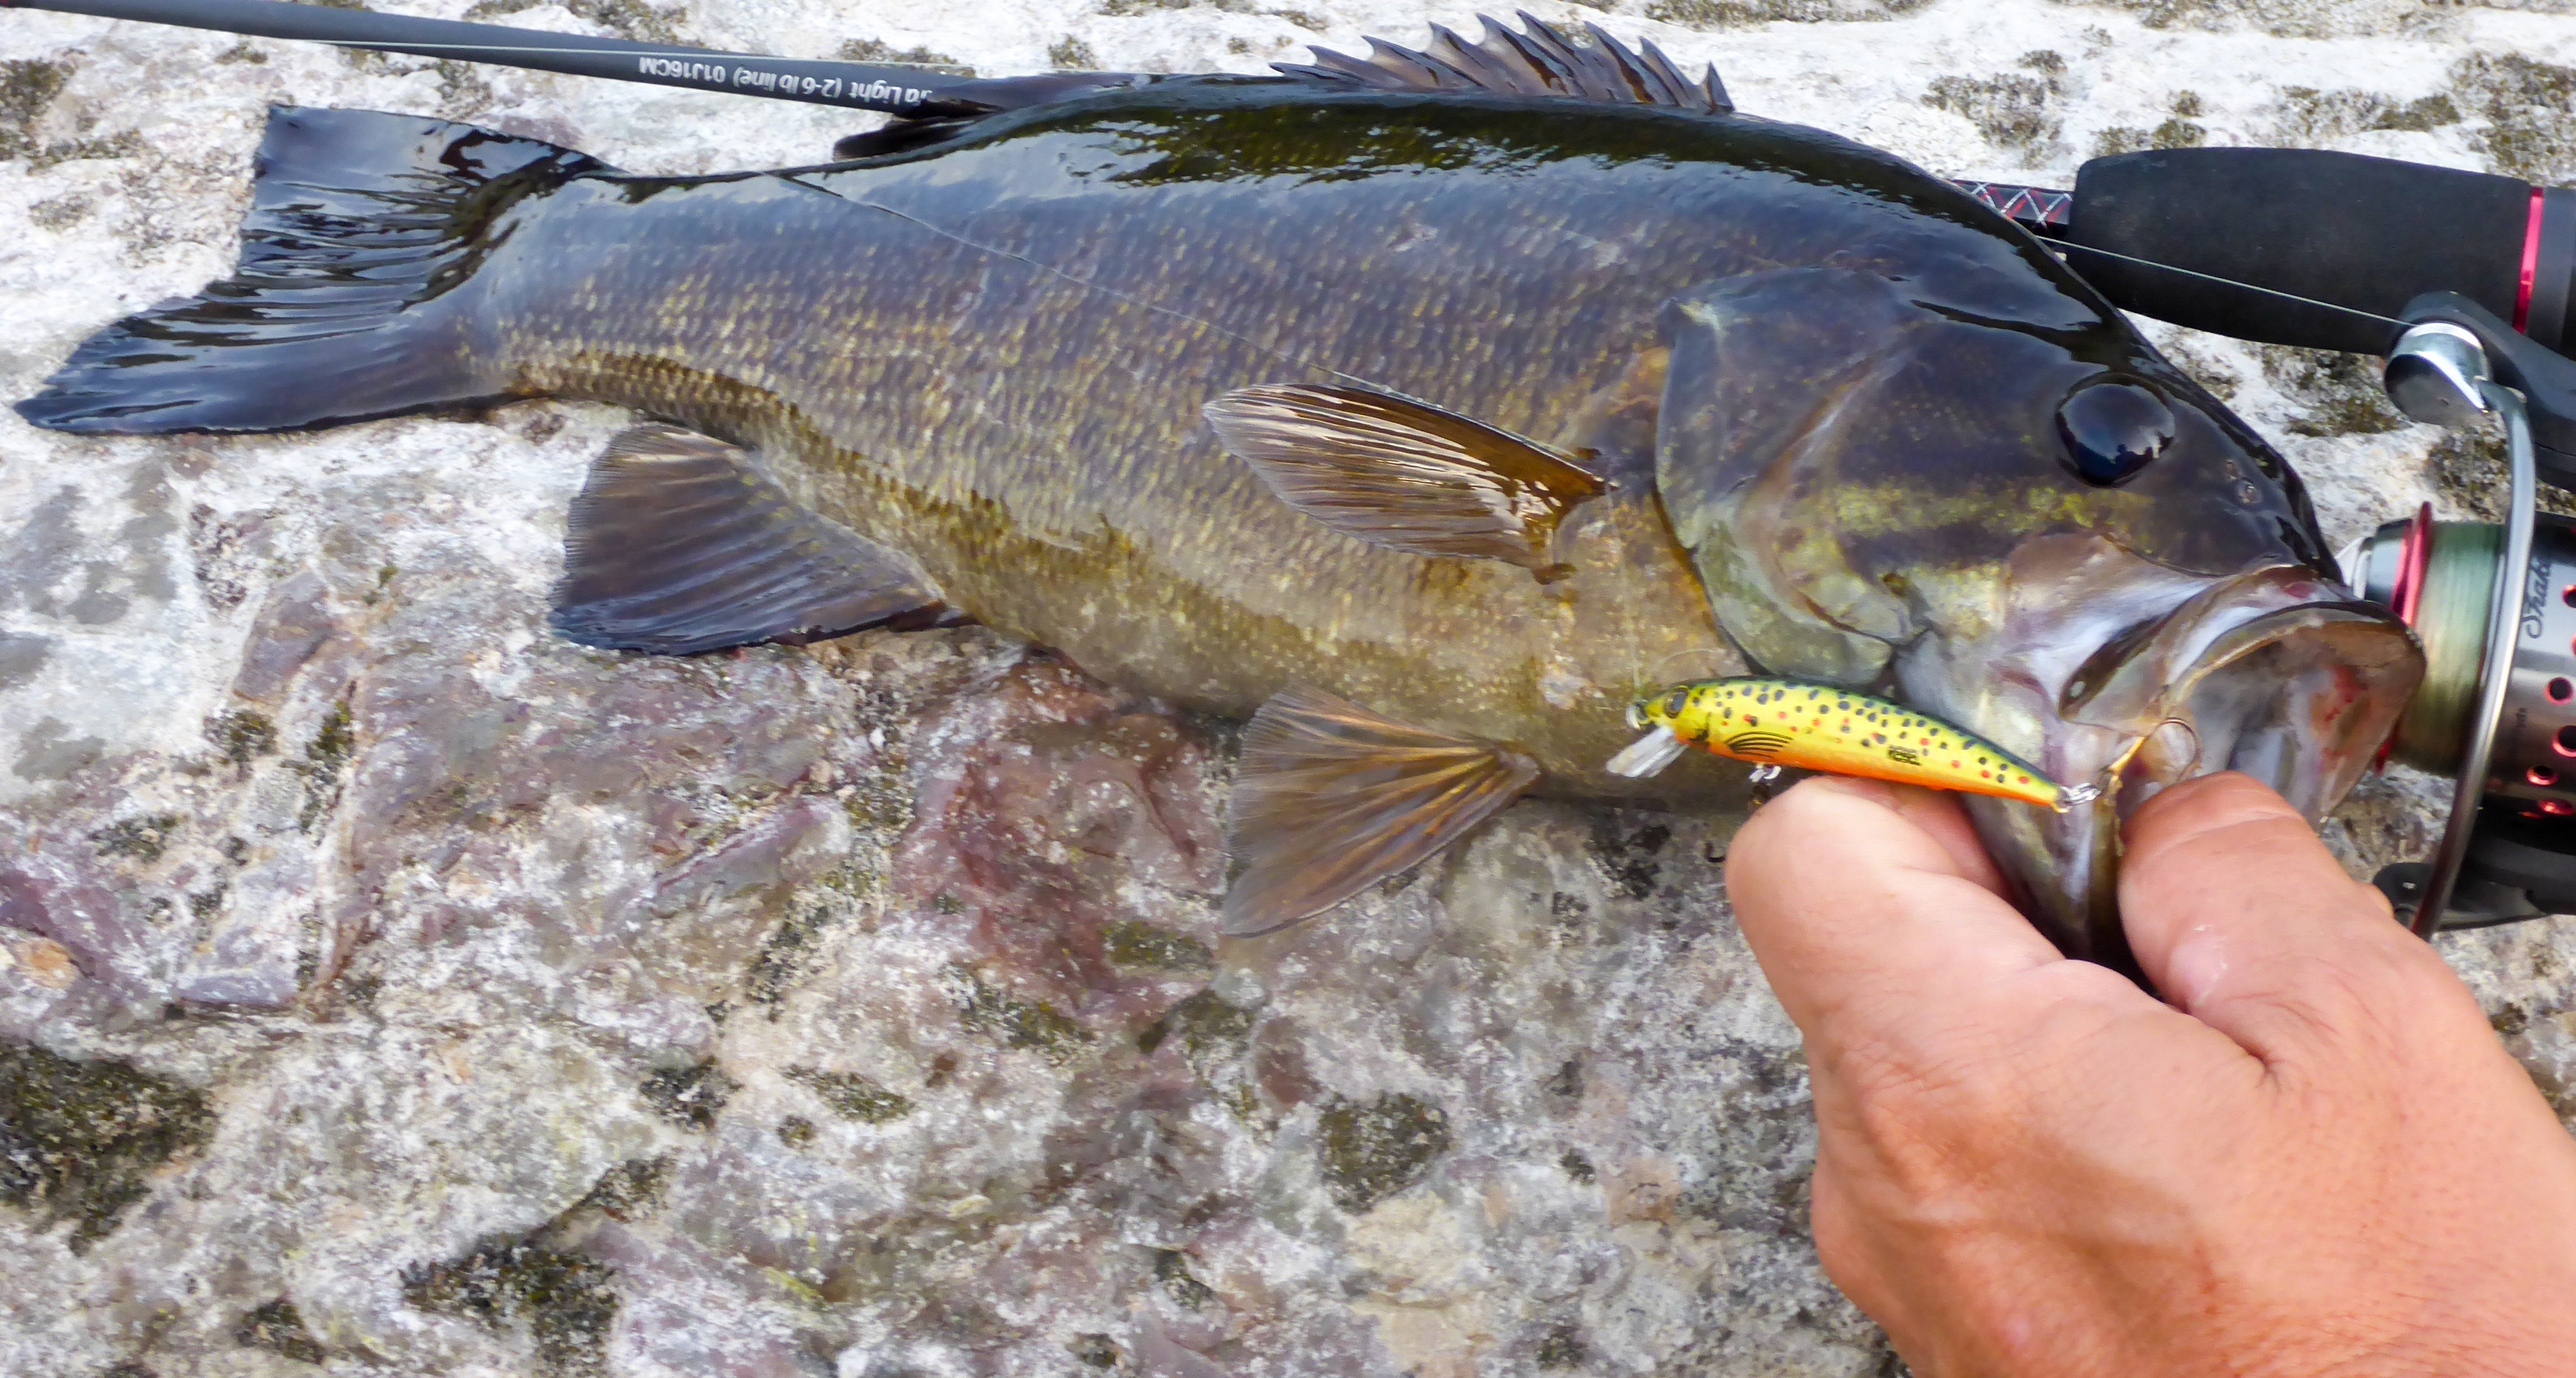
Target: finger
{"x": 1868, "y": 905}
{"x": 1941, "y": 818}
{"x": 2243, "y": 918}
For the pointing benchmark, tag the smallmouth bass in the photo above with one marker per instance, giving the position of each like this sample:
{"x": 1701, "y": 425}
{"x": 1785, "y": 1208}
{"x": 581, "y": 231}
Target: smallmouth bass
{"x": 1424, "y": 410}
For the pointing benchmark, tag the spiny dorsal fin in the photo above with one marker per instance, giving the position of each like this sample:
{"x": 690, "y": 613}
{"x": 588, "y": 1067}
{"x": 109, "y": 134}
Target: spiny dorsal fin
{"x": 1402, "y": 474}
{"x": 1539, "y": 61}
{"x": 1330, "y": 798}
{"x": 677, "y": 545}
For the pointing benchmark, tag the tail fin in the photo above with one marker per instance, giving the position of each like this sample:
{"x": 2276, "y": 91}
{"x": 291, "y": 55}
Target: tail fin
{"x": 361, "y": 228}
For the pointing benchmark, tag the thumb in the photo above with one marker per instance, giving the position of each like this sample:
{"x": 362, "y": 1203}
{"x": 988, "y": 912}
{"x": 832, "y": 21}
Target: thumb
{"x": 2243, "y": 919}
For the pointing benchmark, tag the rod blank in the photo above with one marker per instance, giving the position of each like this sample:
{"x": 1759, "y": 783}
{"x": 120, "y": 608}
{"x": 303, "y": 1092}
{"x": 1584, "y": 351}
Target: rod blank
{"x": 896, "y": 90}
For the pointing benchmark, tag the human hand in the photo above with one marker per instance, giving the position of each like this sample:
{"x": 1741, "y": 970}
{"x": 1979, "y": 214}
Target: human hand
{"x": 2316, "y": 1160}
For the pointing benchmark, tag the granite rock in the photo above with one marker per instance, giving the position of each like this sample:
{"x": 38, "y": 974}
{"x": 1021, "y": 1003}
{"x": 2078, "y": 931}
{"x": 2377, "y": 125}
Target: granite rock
{"x": 389, "y": 988}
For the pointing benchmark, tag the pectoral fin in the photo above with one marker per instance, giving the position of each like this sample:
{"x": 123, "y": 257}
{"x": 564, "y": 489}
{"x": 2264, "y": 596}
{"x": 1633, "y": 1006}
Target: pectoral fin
{"x": 677, "y": 545}
{"x": 1403, "y": 474}
{"x": 1331, "y": 798}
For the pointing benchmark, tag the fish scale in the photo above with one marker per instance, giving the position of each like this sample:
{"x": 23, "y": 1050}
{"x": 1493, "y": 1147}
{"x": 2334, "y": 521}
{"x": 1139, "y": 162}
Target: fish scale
{"x": 1780, "y": 722}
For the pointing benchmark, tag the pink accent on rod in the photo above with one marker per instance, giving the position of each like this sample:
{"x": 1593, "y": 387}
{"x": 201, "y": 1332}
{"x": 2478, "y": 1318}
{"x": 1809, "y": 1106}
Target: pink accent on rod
{"x": 2530, "y": 261}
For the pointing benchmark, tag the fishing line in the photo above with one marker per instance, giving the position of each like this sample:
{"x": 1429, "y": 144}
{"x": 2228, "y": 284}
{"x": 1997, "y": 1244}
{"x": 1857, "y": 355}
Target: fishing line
{"x": 2226, "y": 282}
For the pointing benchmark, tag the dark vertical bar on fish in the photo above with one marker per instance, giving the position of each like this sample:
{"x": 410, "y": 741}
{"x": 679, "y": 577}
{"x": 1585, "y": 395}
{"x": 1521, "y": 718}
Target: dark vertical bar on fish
{"x": 855, "y": 85}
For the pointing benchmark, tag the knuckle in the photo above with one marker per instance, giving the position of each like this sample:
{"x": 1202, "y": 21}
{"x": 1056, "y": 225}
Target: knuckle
{"x": 1921, "y": 1109}
{"x": 2361, "y": 999}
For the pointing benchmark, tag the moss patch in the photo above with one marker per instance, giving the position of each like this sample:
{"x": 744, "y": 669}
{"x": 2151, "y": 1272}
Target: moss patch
{"x": 324, "y": 758}
{"x": 1133, "y": 944}
{"x": 1019, "y": 1023}
{"x": 1560, "y": 1348}
{"x": 784, "y": 954}
{"x": 2012, "y": 111}
{"x": 2176, "y": 132}
{"x": 1205, "y": 1023}
{"x": 241, "y": 736}
{"x": 2467, "y": 471}
{"x": 2527, "y": 106}
{"x": 123, "y": 144}
{"x": 278, "y": 1327}
{"x": 1099, "y": 1351}
{"x": 80, "y": 1140}
{"x": 139, "y": 839}
{"x": 2305, "y": 115}
{"x": 1172, "y": 1269}
{"x": 27, "y": 87}
{"x": 2337, "y": 394}
{"x": 627, "y": 1191}
{"x": 1727, "y": 14}
{"x": 1370, "y": 1152}
{"x": 691, "y": 1095}
{"x": 1627, "y": 858}
{"x": 1072, "y": 54}
{"x": 878, "y": 50}
{"x": 851, "y": 1096}
{"x": 59, "y": 212}
{"x": 564, "y": 1299}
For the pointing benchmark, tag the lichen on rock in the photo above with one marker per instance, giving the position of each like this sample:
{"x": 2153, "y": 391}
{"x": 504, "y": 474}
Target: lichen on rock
{"x": 81, "y": 1141}
{"x": 1372, "y": 1150}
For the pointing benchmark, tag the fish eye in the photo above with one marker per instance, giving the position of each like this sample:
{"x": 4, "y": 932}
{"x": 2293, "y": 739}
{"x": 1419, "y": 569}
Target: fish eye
{"x": 2112, "y": 430}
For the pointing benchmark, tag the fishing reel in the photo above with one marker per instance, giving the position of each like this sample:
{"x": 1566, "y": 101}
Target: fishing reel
{"x": 2494, "y": 604}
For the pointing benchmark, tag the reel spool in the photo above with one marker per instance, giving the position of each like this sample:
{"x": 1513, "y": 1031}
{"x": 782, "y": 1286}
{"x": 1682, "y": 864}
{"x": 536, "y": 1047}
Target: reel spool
{"x": 2495, "y": 607}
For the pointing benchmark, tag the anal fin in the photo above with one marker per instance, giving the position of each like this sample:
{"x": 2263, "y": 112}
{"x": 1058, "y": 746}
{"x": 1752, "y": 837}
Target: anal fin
{"x": 678, "y": 545}
{"x": 1331, "y": 798}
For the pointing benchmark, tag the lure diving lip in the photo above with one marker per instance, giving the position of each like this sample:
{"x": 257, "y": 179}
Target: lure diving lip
{"x": 1785, "y": 722}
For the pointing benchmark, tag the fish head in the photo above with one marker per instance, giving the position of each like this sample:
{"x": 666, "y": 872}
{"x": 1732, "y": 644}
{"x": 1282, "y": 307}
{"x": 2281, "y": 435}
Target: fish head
{"x": 2030, "y": 524}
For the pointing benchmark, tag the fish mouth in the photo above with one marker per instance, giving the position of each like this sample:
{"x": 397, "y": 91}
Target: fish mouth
{"x": 2279, "y": 673}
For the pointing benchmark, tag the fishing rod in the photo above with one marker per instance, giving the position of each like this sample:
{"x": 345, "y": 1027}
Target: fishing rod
{"x": 2286, "y": 246}
{"x": 911, "y": 91}
{"x": 2463, "y": 280}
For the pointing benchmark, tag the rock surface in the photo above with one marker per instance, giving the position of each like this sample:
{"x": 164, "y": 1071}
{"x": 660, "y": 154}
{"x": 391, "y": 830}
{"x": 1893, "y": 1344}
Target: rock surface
{"x": 387, "y": 988}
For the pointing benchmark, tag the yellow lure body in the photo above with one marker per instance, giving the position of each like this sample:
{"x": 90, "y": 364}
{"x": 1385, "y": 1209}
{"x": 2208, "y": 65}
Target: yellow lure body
{"x": 1785, "y": 722}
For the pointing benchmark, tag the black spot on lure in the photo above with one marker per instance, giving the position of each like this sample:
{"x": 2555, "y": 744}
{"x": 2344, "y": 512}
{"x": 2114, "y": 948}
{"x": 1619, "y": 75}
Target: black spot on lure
{"x": 1787, "y": 722}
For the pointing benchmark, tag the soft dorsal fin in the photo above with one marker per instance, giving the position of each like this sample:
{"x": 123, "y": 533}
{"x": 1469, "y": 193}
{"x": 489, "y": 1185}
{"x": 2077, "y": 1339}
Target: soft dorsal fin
{"x": 1330, "y": 798}
{"x": 1542, "y": 60}
{"x": 677, "y": 545}
{"x": 1403, "y": 474}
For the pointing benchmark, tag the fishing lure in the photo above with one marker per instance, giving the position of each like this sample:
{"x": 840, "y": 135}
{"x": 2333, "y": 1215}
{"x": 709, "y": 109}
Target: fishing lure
{"x": 1776, "y": 723}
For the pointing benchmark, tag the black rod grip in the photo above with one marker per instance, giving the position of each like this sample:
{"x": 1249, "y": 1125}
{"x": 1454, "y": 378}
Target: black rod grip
{"x": 2369, "y": 234}
{"x": 862, "y": 86}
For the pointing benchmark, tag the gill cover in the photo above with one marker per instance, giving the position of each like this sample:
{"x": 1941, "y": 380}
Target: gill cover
{"x": 1965, "y": 484}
